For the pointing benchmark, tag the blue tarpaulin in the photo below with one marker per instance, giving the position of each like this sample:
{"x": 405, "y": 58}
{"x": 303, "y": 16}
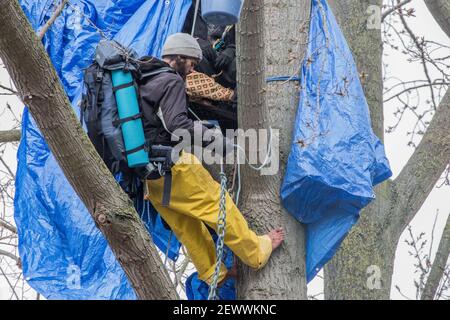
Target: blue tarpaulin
{"x": 197, "y": 289}
{"x": 336, "y": 158}
{"x": 64, "y": 255}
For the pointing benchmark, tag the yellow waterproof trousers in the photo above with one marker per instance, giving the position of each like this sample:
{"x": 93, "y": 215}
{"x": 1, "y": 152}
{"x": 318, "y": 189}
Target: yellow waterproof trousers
{"x": 194, "y": 204}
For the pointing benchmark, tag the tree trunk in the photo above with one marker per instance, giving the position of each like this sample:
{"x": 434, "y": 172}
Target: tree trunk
{"x": 37, "y": 82}
{"x": 363, "y": 267}
{"x": 271, "y": 43}
{"x": 439, "y": 264}
{"x": 347, "y": 274}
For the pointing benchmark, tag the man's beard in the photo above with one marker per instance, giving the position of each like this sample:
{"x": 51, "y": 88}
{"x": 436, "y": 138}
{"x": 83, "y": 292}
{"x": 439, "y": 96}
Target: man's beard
{"x": 180, "y": 67}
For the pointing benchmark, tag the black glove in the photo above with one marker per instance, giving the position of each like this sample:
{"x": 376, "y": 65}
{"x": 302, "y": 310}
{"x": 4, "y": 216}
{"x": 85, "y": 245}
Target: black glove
{"x": 225, "y": 58}
{"x": 208, "y": 51}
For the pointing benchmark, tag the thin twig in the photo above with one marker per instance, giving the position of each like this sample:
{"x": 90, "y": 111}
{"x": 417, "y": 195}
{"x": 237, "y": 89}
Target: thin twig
{"x": 9, "y": 283}
{"x": 8, "y": 226}
{"x": 11, "y": 91}
{"x": 49, "y": 23}
{"x": 9, "y": 255}
{"x": 7, "y": 168}
{"x": 395, "y": 8}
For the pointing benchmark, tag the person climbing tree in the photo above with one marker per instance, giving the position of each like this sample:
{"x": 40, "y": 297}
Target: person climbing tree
{"x": 195, "y": 195}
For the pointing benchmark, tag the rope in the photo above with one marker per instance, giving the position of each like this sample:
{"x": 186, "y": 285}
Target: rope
{"x": 283, "y": 78}
{"x": 268, "y": 158}
{"x": 221, "y": 228}
{"x": 168, "y": 248}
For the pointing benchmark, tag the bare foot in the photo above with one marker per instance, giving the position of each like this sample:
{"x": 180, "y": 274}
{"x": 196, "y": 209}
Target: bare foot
{"x": 277, "y": 236}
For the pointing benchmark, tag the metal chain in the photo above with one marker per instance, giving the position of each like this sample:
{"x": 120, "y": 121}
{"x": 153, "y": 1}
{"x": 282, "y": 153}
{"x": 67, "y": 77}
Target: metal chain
{"x": 221, "y": 228}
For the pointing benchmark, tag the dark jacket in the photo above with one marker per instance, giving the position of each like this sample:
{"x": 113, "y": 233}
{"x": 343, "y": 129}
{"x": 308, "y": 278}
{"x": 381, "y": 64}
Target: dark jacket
{"x": 208, "y": 65}
{"x": 164, "y": 105}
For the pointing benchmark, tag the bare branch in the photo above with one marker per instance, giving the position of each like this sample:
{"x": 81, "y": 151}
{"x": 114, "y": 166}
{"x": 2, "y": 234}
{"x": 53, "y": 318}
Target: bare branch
{"x": 10, "y": 91}
{"x": 423, "y": 169}
{"x": 393, "y": 9}
{"x": 438, "y": 268}
{"x": 7, "y": 167}
{"x": 8, "y": 226}
{"x": 434, "y": 83}
{"x": 10, "y": 136}
{"x": 9, "y": 255}
{"x": 9, "y": 283}
{"x": 58, "y": 11}
{"x": 420, "y": 45}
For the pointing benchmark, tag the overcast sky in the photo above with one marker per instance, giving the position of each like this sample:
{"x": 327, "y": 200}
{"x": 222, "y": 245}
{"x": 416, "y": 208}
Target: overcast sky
{"x": 396, "y": 147}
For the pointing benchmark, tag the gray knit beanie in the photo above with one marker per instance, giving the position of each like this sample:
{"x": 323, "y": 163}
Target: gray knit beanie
{"x": 182, "y": 44}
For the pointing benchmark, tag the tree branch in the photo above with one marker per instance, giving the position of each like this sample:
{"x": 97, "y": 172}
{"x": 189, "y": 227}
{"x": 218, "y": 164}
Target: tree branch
{"x": 10, "y": 136}
{"x": 40, "y": 88}
{"x": 58, "y": 11}
{"x": 9, "y": 283}
{"x": 8, "y": 226}
{"x": 423, "y": 169}
{"x": 393, "y": 9}
{"x": 9, "y": 255}
{"x": 440, "y": 9}
{"x": 7, "y": 168}
{"x": 439, "y": 264}
{"x": 10, "y": 91}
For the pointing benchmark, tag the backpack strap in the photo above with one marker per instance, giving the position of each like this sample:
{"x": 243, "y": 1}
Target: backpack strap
{"x": 119, "y": 122}
{"x": 167, "y": 188}
{"x": 123, "y": 86}
{"x": 134, "y": 150}
{"x": 98, "y": 85}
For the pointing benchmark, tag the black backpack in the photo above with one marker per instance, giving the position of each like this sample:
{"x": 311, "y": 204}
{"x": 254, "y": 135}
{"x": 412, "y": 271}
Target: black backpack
{"x": 100, "y": 114}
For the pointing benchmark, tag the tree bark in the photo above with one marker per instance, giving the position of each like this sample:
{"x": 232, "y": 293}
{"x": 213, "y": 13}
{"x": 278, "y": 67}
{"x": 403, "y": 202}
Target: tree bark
{"x": 367, "y": 49}
{"x": 363, "y": 267}
{"x": 439, "y": 264}
{"x": 37, "y": 82}
{"x": 271, "y": 43}
{"x": 10, "y": 136}
{"x": 440, "y": 9}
